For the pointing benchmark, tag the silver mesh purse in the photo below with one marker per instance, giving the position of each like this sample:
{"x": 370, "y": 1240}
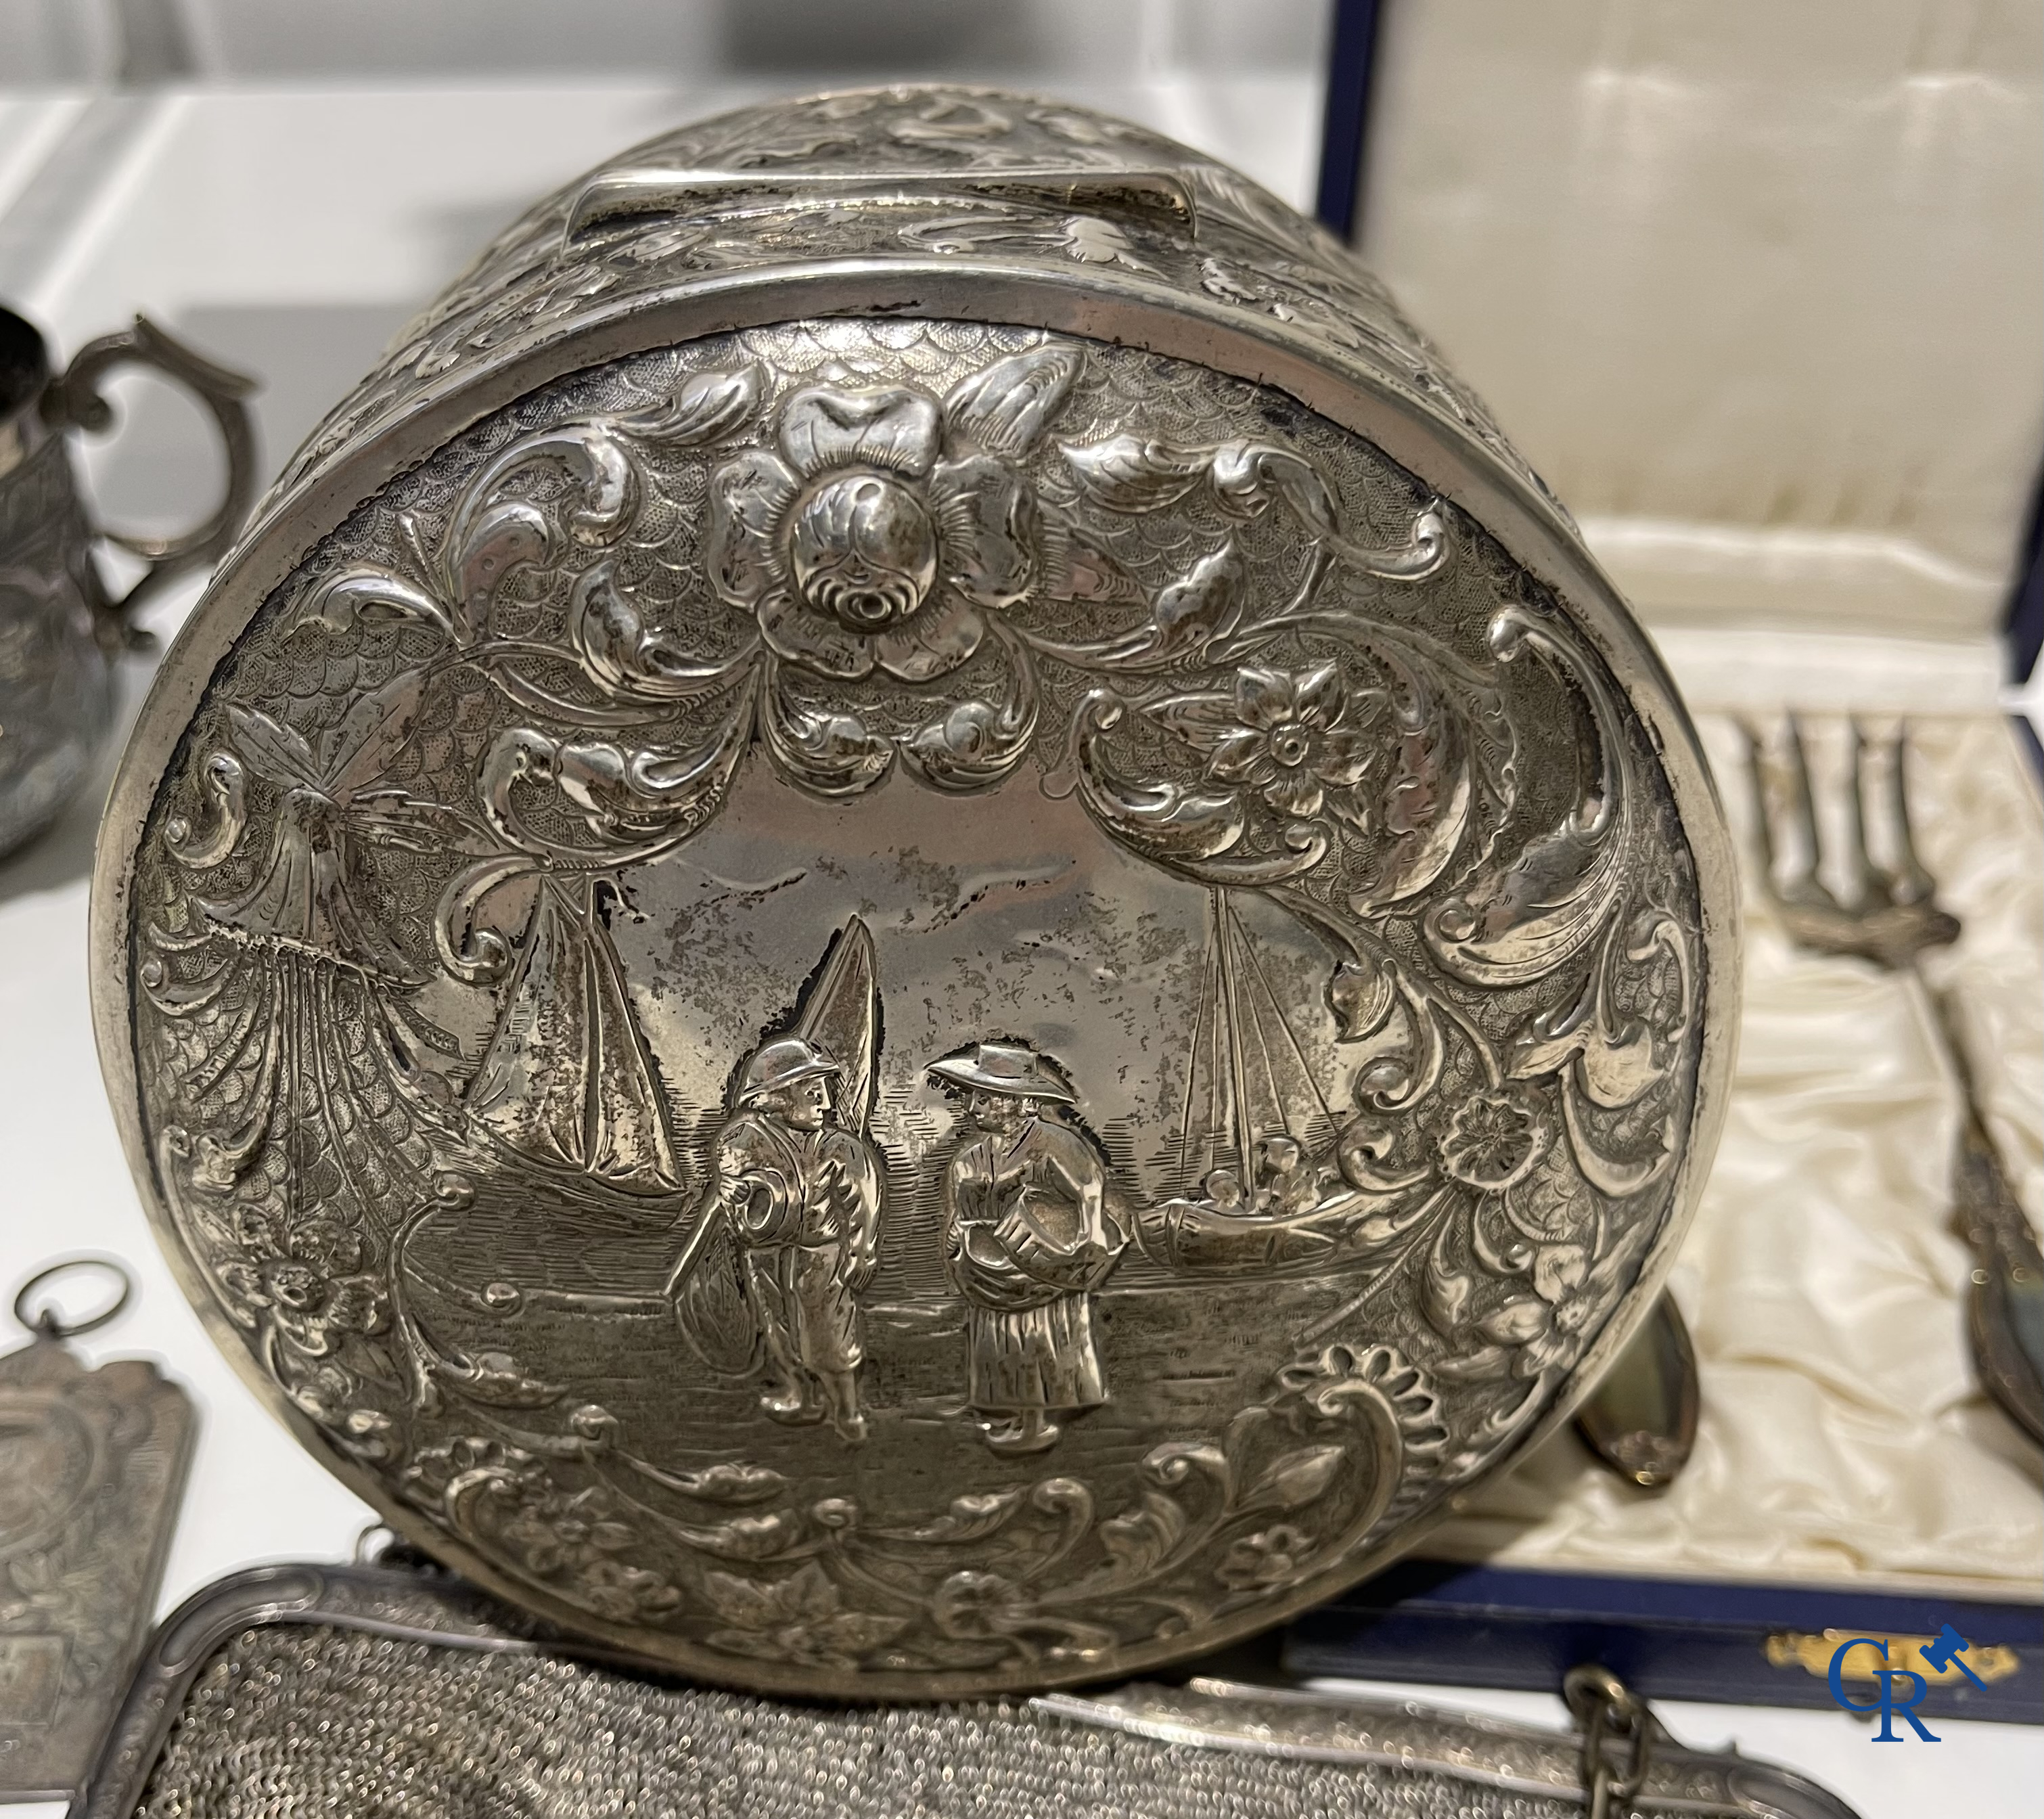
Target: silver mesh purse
{"x": 366, "y": 1691}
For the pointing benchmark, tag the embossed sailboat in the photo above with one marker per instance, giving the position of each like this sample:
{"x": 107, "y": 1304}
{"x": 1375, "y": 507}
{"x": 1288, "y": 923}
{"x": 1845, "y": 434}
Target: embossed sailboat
{"x": 1261, "y": 1191}
{"x": 567, "y": 1080}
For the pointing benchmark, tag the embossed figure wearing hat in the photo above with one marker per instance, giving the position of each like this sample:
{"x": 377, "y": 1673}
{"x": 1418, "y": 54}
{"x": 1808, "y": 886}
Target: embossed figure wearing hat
{"x": 802, "y": 1196}
{"x": 1027, "y": 1238}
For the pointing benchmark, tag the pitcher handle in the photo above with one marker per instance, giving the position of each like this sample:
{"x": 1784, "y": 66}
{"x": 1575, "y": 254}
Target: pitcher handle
{"x": 75, "y": 400}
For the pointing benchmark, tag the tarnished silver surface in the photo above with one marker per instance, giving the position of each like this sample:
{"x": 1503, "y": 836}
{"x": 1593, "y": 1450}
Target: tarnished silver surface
{"x": 309, "y": 1690}
{"x": 92, "y": 1463}
{"x": 60, "y": 628}
{"x": 908, "y": 927}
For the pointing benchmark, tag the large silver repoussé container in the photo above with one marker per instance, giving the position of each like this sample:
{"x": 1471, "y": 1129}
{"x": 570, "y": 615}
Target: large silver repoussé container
{"x": 908, "y": 926}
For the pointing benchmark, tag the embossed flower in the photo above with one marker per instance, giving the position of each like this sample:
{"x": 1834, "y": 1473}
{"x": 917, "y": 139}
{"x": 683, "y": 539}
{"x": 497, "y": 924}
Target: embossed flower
{"x": 549, "y": 1530}
{"x": 801, "y": 1618}
{"x": 1545, "y": 1328}
{"x": 1495, "y": 1138}
{"x": 972, "y": 1603}
{"x": 307, "y": 1281}
{"x": 623, "y": 1593}
{"x": 1292, "y": 737}
{"x": 1269, "y": 1557}
{"x": 333, "y": 1398}
{"x": 884, "y": 526}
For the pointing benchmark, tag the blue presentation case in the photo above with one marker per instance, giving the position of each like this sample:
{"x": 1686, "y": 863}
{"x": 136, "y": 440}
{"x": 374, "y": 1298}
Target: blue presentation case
{"x": 1440, "y": 1622}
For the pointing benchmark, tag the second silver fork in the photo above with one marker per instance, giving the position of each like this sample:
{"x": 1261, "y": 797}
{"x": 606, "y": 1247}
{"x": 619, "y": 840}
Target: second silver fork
{"x": 1889, "y": 915}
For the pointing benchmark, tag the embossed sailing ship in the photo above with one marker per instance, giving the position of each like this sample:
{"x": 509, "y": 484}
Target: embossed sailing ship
{"x": 1258, "y": 1155}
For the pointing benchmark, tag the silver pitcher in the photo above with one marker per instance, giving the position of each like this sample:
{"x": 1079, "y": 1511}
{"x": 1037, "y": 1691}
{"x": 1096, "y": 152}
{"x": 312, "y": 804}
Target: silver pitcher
{"x": 60, "y": 627}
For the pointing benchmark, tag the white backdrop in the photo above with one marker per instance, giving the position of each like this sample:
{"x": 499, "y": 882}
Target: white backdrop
{"x": 704, "y": 40}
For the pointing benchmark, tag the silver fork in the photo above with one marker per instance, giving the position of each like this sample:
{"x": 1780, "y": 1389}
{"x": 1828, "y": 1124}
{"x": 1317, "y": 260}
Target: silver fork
{"x": 1889, "y": 916}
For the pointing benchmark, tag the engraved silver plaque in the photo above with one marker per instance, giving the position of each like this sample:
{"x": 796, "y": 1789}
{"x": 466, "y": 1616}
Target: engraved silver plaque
{"x": 908, "y": 927}
{"x": 92, "y": 1465}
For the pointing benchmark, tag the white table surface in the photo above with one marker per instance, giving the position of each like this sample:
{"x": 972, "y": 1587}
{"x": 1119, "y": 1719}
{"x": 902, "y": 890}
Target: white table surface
{"x": 292, "y": 231}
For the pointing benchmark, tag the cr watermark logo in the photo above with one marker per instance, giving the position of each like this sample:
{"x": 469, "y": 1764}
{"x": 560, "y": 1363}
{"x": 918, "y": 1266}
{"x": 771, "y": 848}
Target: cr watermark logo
{"x": 1902, "y": 1669}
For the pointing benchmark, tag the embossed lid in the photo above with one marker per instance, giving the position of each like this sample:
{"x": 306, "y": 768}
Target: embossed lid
{"x": 909, "y": 925}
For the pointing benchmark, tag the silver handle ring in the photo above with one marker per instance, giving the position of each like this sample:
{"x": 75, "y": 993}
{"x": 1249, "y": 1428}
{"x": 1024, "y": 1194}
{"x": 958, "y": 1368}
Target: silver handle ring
{"x": 1609, "y": 1710}
{"x": 45, "y": 1320}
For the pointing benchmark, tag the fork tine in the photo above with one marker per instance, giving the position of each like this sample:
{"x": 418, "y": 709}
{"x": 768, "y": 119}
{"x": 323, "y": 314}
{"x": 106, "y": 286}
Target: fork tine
{"x": 1803, "y": 885}
{"x": 1871, "y": 887}
{"x": 1911, "y": 882}
{"x": 1763, "y": 823}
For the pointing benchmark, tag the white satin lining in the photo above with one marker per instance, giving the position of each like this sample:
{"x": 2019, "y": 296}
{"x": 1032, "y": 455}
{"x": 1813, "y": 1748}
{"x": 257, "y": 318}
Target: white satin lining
{"x": 1842, "y": 1438}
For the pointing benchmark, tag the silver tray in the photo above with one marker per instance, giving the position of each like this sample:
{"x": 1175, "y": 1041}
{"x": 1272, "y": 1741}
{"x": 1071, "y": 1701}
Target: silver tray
{"x": 908, "y": 926}
{"x": 304, "y": 1689}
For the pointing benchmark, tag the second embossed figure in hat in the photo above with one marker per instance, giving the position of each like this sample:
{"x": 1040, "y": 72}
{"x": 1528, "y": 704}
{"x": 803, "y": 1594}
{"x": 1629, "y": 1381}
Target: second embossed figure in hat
{"x": 1027, "y": 1238}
